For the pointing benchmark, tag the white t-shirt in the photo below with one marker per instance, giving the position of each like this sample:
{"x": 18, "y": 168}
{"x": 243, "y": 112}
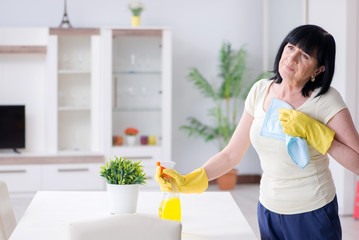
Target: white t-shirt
{"x": 285, "y": 188}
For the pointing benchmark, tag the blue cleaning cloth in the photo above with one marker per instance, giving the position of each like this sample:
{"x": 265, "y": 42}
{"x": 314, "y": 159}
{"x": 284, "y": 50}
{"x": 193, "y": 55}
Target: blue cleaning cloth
{"x": 296, "y": 146}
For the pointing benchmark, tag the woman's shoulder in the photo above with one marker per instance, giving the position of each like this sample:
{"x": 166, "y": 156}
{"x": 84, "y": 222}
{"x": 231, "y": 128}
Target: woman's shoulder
{"x": 332, "y": 95}
{"x": 256, "y": 93}
{"x": 329, "y": 104}
{"x": 262, "y": 83}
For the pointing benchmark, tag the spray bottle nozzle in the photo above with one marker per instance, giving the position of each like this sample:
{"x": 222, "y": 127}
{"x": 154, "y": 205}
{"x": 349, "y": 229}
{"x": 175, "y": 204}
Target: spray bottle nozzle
{"x": 165, "y": 175}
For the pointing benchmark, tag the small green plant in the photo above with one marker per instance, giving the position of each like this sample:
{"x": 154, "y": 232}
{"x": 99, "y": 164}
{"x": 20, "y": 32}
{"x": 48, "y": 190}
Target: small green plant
{"x": 123, "y": 171}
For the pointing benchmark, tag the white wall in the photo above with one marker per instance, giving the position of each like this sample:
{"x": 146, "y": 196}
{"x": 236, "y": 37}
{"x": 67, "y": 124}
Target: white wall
{"x": 199, "y": 28}
{"x": 275, "y": 28}
{"x": 25, "y": 87}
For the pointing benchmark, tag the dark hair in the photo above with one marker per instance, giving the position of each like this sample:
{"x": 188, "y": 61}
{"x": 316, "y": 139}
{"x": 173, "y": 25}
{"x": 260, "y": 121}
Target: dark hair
{"x": 310, "y": 38}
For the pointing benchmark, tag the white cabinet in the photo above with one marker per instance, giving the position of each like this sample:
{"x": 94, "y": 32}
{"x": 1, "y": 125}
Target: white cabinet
{"x": 56, "y": 74}
{"x": 95, "y": 84}
{"x": 72, "y": 177}
{"x": 21, "y": 178}
{"x": 137, "y": 86}
{"x": 73, "y": 90}
{"x": 32, "y": 173}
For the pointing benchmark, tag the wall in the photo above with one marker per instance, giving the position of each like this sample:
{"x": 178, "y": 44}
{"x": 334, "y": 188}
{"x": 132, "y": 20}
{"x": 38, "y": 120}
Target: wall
{"x": 275, "y": 29}
{"x": 25, "y": 87}
{"x": 199, "y": 28}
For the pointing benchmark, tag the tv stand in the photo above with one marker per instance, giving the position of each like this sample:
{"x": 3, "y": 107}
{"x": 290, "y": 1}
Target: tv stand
{"x": 16, "y": 151}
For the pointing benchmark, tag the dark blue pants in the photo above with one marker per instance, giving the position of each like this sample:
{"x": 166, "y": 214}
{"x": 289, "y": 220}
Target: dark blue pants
{"x": 320, "y": 224}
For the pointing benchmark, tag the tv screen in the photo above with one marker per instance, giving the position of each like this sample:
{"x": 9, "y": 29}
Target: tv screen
{"x": 12, "y": 126}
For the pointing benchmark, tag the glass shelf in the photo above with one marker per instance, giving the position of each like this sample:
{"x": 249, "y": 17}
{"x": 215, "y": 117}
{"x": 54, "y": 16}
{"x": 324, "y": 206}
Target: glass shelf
{"x": 137, "y": 72}
{"x": 74, "y": 108}
{"x": 70, "y": 71}
{"x": 136, "y": 109}
{"x": 138, "y": 147}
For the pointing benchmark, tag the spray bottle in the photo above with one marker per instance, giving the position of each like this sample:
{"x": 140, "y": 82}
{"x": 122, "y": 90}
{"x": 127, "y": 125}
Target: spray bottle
{"x": 170, "y": 207}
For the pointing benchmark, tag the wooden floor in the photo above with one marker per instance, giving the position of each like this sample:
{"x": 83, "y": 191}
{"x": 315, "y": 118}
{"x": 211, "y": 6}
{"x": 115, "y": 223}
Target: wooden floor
{"x": 245, "y": 195}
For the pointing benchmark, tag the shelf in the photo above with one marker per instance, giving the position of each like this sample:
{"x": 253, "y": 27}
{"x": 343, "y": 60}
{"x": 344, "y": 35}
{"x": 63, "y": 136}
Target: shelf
{"x": 62, "y": 71}
{"x": 70, "y": 109}
{"x": 137, "y": 73}
{"x": 138, "y": 147}
{"x": 23, "y": 49}
{"x": 136, "y": 33}
{"x": 74, "y": 31}
{"x": 64, "y": 157}
{"x": 136, "y": 109}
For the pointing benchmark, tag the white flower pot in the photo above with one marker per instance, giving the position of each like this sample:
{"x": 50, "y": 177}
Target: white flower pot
{"x": 123, "y": 198}
{"x": 131, "y": 140}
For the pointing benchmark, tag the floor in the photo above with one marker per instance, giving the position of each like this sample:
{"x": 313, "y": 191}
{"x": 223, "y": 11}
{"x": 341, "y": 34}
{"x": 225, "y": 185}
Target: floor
{"x": 245, "y": 195}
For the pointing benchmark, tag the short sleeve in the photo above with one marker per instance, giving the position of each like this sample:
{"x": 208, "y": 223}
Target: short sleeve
{"x": 253, "y": 95}
{"x": 249, "y": 103}
{"x": 329, "y": 104}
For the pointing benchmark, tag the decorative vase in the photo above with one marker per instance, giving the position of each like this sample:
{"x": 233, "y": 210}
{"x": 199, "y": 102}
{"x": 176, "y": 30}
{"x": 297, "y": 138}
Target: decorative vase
{"x": 122, "y": 198}
{"x": 152, "y": 140}
{"x": 144, "y": 140}
{"x": 135, "y": 21}
{"x": 131, "y": 140}
{"x": 117, "y": 140}
{"x": 228, "y": 181}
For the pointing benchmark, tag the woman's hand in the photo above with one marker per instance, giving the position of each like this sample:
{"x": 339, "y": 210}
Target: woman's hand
{"x": 194, "y": 182}
{"x": 299, "y": 124}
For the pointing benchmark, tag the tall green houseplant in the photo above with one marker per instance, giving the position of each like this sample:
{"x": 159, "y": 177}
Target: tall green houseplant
{"x": 226, "y": 97}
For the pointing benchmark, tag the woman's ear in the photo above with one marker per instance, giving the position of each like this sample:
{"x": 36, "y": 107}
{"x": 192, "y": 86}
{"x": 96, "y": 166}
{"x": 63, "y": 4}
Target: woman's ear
{"x": 319, "y": 70}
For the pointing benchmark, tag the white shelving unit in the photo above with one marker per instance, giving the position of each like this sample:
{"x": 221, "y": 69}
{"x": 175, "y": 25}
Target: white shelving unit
{"x": 56, "y": 74}
{"x": 73, "y": 87}
{"x": 88, "y": 85}
{"x": 137, "y": 83}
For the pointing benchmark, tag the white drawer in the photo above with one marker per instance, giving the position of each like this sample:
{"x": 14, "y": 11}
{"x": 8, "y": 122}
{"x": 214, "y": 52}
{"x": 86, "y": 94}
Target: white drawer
{"x": 21, "y": 178}
{"x": 72, "y": 177}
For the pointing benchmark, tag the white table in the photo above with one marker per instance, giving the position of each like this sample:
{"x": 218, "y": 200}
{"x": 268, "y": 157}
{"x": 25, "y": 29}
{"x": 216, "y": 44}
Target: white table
{"x": 210, "y": 215}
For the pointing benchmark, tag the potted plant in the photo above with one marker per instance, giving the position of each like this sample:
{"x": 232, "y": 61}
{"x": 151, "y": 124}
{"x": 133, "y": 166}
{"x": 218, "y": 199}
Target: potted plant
{"x": 136, "y": 8}
{"x": 226, "y": 98}
{"x": 123, "y": 178}
{"x": 131, "y": 135}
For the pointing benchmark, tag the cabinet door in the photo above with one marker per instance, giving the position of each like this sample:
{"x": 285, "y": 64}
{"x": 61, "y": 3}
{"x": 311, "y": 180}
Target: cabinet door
{"x": 138, "y": 86}
{"x": 21, "y": 178}
{"x": 75, "y": 84}
{"x": 137, "y": 83}
{"x": 74, "y": 93}
{"x": 72, "y": 177}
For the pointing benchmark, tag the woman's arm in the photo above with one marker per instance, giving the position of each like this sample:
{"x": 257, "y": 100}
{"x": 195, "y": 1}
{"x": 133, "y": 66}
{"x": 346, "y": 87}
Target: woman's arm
{"x": 345, "y": 146}
{"x": 232, "y": 154}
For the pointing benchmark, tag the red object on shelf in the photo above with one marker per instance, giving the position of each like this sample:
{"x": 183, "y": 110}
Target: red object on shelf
{"x": 356, "y": 203}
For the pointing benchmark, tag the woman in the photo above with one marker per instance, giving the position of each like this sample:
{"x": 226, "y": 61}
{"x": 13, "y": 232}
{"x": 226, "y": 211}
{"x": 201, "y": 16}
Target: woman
{"x": 294, "y": 203}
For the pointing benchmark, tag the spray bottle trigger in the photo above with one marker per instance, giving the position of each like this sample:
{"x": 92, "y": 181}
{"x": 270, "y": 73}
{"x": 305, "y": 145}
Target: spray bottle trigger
{"x": 165, "y": 175}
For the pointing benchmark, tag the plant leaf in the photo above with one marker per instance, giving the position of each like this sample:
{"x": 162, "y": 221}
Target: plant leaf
{"x": 123, "y": 171}
{"x": 196, "y": 128}
{"x": 201, "y": 83}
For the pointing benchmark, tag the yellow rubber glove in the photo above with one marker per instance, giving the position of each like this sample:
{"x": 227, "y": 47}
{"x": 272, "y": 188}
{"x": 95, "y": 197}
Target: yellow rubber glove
{"x": 194, "y": 182}
{"x": 299, "y": 124}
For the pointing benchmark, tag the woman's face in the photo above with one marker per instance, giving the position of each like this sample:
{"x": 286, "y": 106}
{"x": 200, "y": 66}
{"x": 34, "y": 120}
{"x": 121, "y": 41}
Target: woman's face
{"x": 297, "y": 66}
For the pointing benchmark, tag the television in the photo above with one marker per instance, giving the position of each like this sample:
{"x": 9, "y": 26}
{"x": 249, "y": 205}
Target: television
{"x": 12, "y": 126}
